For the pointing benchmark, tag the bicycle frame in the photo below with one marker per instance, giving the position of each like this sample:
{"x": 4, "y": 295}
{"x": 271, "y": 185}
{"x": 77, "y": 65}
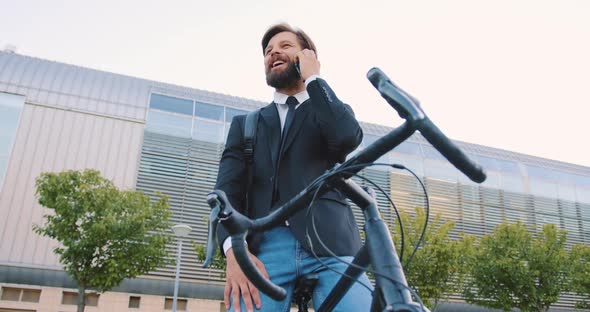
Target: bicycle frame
{"x": 379, "y": 252}
{"x": 391, "y": 289}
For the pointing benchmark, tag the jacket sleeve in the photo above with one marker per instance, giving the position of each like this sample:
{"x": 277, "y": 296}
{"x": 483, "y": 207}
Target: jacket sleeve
{"x": 339, "y": 127}
{"x": 232, "y": 172}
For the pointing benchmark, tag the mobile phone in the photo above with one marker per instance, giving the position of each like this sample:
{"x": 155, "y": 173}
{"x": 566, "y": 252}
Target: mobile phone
{"x": 297, "y": 67}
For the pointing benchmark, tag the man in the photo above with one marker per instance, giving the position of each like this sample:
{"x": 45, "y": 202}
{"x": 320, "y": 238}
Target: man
{"x": 301, "y": 134}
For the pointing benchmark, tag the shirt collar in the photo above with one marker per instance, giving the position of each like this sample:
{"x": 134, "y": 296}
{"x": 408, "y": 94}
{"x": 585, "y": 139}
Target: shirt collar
{"x": 281, "y": 98}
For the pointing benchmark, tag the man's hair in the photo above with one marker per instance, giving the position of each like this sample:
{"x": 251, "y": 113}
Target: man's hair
{"x": 302, "y": 37}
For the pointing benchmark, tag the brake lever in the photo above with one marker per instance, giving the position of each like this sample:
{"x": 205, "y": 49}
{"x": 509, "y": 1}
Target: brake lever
{"x": 218, "y": 213}
{"x": 212, "y": 238}
{"x": 215, "y": 204}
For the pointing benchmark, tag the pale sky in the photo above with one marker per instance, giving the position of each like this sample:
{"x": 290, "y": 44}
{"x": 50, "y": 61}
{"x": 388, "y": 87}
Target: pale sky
{"x": 511, "y": 74}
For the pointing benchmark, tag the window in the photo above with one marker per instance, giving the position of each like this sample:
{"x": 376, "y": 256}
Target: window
{"x": 566, "y": 192}
{"x": 11, "y": 294}
{"x": 440, "y": 171}
{"x": 512, "y": 183}
{"x": 171, "y": 124}
{"x": 432, "y": 153}
{"x": 31, "y": 295}
{"x": 385, "y": 159}
{"x": 231, "y": 112}
{"x": 583, "y": 196}
{"x": 543, "y": 188}
{"x": 20, "y": 294}
{"x": 492, "y": 180}
{"x": 92, "y": 300}
{"x": 488, "y": 163}
{"x": 208, "y": 131}
{"x": 412, "y": 163}
{"x": 171, "y": 104}
{"x": 180, "y": 304}
{"x": 508, "y": 166}
{"x": 209, "y": 111}
{"x": 542, "y": 173}
{"x": 134, "y": 302}
{"x": 11, "y": 106}
{"x": 71, "y": 298}
{"x": 581, "y": 180}
{"x": 408, "y": 148}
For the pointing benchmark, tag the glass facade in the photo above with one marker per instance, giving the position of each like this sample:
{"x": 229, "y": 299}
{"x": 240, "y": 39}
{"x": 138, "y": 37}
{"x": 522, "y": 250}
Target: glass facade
{"x": 189, "y": 119}
{"x": 183, "y": 141}
{"x": 11, "y": 106}
{"x": 184, "y": 138}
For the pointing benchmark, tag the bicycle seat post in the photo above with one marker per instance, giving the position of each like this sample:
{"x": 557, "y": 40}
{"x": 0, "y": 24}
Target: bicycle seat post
{"x": 304, "y": 290}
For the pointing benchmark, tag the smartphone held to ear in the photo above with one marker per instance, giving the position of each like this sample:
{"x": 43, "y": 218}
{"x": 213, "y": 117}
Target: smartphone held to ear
{"x": 297, "y": 67}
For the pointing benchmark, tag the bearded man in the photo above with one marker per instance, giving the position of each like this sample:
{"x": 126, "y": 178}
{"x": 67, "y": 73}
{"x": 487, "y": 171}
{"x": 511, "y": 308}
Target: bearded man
{"x": 305, "y": 131}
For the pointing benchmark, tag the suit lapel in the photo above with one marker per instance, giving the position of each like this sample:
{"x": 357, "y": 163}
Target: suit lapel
{"x": 300, "y": 115}
{"x": 270, "y": 115}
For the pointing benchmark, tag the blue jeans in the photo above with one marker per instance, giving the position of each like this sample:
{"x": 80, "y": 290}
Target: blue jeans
{"x": 285, "y": 260}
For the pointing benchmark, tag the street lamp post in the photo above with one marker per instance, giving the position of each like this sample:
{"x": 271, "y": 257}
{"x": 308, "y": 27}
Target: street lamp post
{"x": 181, "y": 231}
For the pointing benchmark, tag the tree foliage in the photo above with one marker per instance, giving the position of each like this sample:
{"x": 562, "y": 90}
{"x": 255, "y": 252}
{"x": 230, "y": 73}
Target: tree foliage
{"x": 438, "y": 268}
{"x": 580, "y": 274}
{"x": 218, "y": 261}
{"x": 105, "y": 234}
{"x": 510, "y": 269}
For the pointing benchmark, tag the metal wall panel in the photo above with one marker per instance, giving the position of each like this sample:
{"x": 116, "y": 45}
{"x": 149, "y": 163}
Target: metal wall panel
{"x": 185, "y": 170}
{"x": 53, "y": 140}
{"x": 63, "y": 85}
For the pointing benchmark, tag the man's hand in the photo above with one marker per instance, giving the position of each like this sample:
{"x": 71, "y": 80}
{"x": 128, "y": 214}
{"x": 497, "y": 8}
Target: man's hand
{"x": 308, "y": 63}
{"x": 237, "y": 284}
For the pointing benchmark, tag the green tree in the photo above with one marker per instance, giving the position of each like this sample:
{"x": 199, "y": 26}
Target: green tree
{"x": 580, "y": 274}
{"x": 105, "y": 234}
{"x": 438, "y": 268}
{"x": 513, "y": 270}
{"x": 218, "y": 261}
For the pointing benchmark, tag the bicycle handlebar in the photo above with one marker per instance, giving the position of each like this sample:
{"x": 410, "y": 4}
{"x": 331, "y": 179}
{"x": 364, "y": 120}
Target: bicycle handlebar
{"x": 450, "y": 151}
{"x": 251, "y": 271}
{"x": 407, "y": 107}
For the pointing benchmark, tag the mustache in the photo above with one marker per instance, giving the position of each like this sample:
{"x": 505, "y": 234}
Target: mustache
{"x": 283, "y": 58}
{"x": 285, "y": 78}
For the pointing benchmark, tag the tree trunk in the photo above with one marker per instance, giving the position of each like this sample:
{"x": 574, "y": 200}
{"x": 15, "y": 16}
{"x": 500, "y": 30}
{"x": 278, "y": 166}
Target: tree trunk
{"x": 435, "y": 305}
{"x": 81, "y": 297}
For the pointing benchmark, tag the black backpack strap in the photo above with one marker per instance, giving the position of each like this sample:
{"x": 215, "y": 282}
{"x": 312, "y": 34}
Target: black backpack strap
{"x": 250, "y": 128}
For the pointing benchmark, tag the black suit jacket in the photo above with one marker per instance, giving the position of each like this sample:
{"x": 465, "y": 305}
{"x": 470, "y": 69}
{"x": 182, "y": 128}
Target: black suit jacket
{"x": 323, "y": 132}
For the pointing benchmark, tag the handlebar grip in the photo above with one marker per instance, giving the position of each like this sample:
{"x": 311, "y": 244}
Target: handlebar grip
{"x": 251, "y": 271}
{"x": 449, "y": 150}
{"x": 238, "y": 225}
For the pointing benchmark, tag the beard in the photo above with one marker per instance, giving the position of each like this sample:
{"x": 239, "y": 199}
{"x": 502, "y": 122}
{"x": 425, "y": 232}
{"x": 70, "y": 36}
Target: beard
{"x": 283, "y": 79}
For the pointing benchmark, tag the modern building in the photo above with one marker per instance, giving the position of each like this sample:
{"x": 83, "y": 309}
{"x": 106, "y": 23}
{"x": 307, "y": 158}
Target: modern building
{"x": 154, "y": 136}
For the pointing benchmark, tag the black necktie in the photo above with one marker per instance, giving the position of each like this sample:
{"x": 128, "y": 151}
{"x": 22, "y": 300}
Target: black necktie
{"x": 292, "y": 102}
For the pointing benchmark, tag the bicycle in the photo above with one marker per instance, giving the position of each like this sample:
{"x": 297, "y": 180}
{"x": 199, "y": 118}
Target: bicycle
{"x": 391, "y": 292}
